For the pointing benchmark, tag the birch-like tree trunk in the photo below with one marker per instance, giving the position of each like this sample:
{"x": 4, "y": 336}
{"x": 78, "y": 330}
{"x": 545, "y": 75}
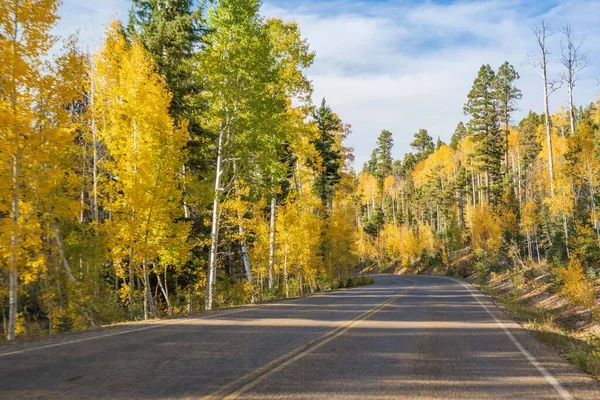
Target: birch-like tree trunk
{"x": 94, "y": 146}
{"x": 164, "y": 290}
{"x": 245, "y": 258}
{"x": 541, "y": 34}
{"x": 272, "y": 240}
{"x": 14, "y": 239}
{"x": 285, "y": 271}
{"x": 574, "y": 62}
{"x": 214, "y": 231}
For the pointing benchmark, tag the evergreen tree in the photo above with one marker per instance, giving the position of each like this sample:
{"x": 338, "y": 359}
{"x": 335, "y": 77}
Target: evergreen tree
{"x": 172, "y": 32}
{"x": 484, "y": 125}
{"x": 371, "y": 165}
{"x": 439, "y": 143}
{"x": 507, "y": 95}
{"x": 459, "y": 134}
{"x": 385, "y": 143}
{"x": 327, "y": 146}
{"x": 423, "y": 144}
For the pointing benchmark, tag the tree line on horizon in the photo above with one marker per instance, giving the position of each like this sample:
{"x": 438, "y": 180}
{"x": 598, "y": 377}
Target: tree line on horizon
{"x": 513, "y": 195}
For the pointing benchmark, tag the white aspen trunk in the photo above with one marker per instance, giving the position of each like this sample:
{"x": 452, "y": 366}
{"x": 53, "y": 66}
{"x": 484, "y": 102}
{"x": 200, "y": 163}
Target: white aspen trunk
{"x": 13, "y": 273}
{"x": 214, "y": 231}
{"x": 402, "y": 200}
{"x": 519, "y": 179}
{"x": 14, "y": 239}
{"x": 487, "y": 186}
{"x": 566, "y": 230}
{"x": 186, "y": 208}
{"x": 297, "y": 180}
{"x": 131, "y": 283}
{"x": 94, "y": 148}
{"x": 394, "y": 210}
{"x": 474, "y": 198}
{"x": 593, "y": 200}
{"x": 148, "y": 299}
{"x": 537, "y": 248}
{"x": 548, "y": 128}
{"x": 82, "y": 193}
{"x": 272, "y": 240}
{"x": 165, "y": 293}
{"x": 245, "y": 257}
{"x": 571, "y": 108}
{"x": 285, "y": 271}
{"x": 61, "y": 254}
{"x": 373, "y": 198}
{"x": 146, "y": 291}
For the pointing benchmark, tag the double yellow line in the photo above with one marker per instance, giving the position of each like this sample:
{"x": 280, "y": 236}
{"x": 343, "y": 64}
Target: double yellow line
{"x": 247, "y": 382}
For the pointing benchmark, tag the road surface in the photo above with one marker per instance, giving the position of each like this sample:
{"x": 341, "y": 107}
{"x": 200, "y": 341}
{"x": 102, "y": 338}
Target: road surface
{"x": 414, "y": 337}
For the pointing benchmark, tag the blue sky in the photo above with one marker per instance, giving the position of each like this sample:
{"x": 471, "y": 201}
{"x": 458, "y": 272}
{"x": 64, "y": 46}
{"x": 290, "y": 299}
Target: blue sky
{"x": 404, "y": 65}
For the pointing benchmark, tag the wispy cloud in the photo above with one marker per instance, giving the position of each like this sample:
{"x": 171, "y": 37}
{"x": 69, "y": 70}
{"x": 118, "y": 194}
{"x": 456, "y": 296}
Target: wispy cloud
{"x": 405, "y": 65}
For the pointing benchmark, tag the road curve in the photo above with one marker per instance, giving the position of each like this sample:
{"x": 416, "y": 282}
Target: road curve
{"x": 414, "y": 337}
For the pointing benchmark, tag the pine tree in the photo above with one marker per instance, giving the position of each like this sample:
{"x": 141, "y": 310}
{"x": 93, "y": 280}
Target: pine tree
{"x": 172, "y": 32}
{"x": 385, "y": 142}
{"x": 507, "y": 95}
{"x": 423, "y": 144}
{"x": 484, "y": 125}
{"x": 459, "y": 134}
{"x": 327, "y": 146}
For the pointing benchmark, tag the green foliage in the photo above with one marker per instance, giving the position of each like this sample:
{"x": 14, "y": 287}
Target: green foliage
{"x": 460, "y": 133}
{"x": 64, "y": 323}
{"x": 481, "y": 105}
{"x": 328, "y": 148}
{"x": 423, "y": 145}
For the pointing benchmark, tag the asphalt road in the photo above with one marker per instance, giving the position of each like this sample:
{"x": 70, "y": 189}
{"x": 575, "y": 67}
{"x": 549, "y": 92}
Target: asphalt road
{"x": 414, "y": 337}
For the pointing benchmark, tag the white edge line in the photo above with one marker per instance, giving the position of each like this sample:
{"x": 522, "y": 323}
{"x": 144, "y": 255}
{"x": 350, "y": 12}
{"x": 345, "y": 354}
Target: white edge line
{"x": 159, "y": 324}
{"x": 543, "y": 371}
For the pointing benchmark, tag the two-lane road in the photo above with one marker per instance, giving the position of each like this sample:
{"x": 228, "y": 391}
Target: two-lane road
{"x": 415, "y": 337}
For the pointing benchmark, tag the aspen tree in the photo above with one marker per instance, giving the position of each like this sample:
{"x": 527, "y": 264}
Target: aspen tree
{"x": 146, "y": 157}
{"x": 25, "y": 39}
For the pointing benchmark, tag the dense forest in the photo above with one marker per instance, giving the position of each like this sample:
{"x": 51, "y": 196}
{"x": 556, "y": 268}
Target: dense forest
{"x": 180, "y": 167}
{"x": 183, "y": 166}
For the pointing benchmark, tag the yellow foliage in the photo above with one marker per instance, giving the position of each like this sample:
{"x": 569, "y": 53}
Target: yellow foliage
{"x": 299, "y": 237}
{"x": 486, "y": 229}
{"x": 439, "y": 165}
{"x": 578, "y": 289}
{"x": 368, "y": 190}
{"x": 340, "y": 236}
{"x": 147, "y": 153}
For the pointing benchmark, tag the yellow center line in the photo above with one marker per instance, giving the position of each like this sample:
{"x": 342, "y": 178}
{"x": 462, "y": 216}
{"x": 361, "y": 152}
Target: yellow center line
{"x": 258, "y": 375}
